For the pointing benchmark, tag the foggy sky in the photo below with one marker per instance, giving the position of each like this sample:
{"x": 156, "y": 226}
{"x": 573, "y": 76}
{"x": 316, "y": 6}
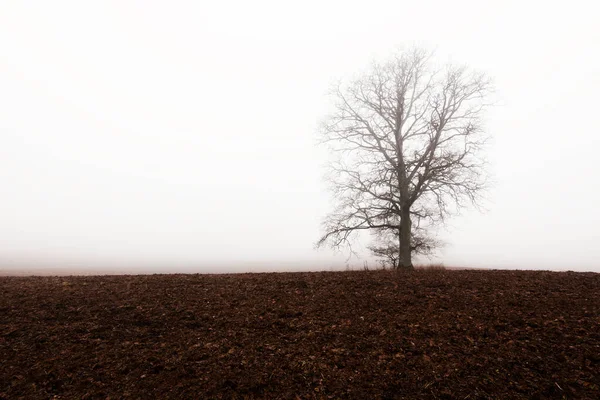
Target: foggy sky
{"x": 181, "y": 135}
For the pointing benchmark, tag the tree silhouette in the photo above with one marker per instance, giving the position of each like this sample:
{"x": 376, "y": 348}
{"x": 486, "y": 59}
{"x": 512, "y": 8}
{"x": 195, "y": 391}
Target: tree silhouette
{"x": 407, "y": 142}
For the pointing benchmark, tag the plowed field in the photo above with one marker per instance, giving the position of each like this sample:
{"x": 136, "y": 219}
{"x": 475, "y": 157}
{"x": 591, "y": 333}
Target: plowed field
{"x": 325, "y": 335}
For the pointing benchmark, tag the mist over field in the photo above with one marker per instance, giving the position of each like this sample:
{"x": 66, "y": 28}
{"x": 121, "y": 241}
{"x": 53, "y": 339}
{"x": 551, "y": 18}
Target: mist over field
{"x": 141, "y": 137}
{"x": 269, "y": 200}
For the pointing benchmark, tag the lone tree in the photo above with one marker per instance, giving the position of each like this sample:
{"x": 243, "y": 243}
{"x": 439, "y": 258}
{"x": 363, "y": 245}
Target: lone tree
{"x": 408, "y": 144}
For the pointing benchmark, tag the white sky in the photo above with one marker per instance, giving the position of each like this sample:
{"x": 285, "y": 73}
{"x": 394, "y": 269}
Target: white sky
{"x": 183, "y": 133}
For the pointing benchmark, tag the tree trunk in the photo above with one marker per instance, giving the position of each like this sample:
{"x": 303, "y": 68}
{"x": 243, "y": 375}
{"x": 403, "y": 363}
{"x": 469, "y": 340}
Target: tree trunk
{"x": 405, "y": 256}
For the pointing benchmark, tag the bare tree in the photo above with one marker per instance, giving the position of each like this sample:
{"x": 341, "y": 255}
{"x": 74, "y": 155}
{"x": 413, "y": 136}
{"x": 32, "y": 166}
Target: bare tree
{"x": 408, "y": 142}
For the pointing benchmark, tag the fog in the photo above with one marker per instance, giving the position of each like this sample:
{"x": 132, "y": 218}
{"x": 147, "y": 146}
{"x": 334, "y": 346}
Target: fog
{"x": 150, "y": 136}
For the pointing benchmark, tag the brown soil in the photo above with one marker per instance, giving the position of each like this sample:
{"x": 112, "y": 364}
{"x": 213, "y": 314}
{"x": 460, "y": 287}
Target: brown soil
{"x": 351, "y": 335}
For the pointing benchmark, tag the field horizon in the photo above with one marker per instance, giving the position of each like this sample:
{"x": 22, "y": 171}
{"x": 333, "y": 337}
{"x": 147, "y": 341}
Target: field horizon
{"x": 33, "y": 270}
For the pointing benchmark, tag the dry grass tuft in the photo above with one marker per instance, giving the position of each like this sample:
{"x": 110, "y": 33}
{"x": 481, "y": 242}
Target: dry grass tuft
{"x": 431, "y": 267}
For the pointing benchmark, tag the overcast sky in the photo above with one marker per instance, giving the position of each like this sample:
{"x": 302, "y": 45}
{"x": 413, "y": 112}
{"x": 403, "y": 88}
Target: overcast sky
{"x": 182, "y": 134}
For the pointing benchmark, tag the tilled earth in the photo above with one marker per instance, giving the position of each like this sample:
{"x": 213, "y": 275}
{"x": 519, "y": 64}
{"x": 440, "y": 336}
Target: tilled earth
{"x": 326, "y": 335}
